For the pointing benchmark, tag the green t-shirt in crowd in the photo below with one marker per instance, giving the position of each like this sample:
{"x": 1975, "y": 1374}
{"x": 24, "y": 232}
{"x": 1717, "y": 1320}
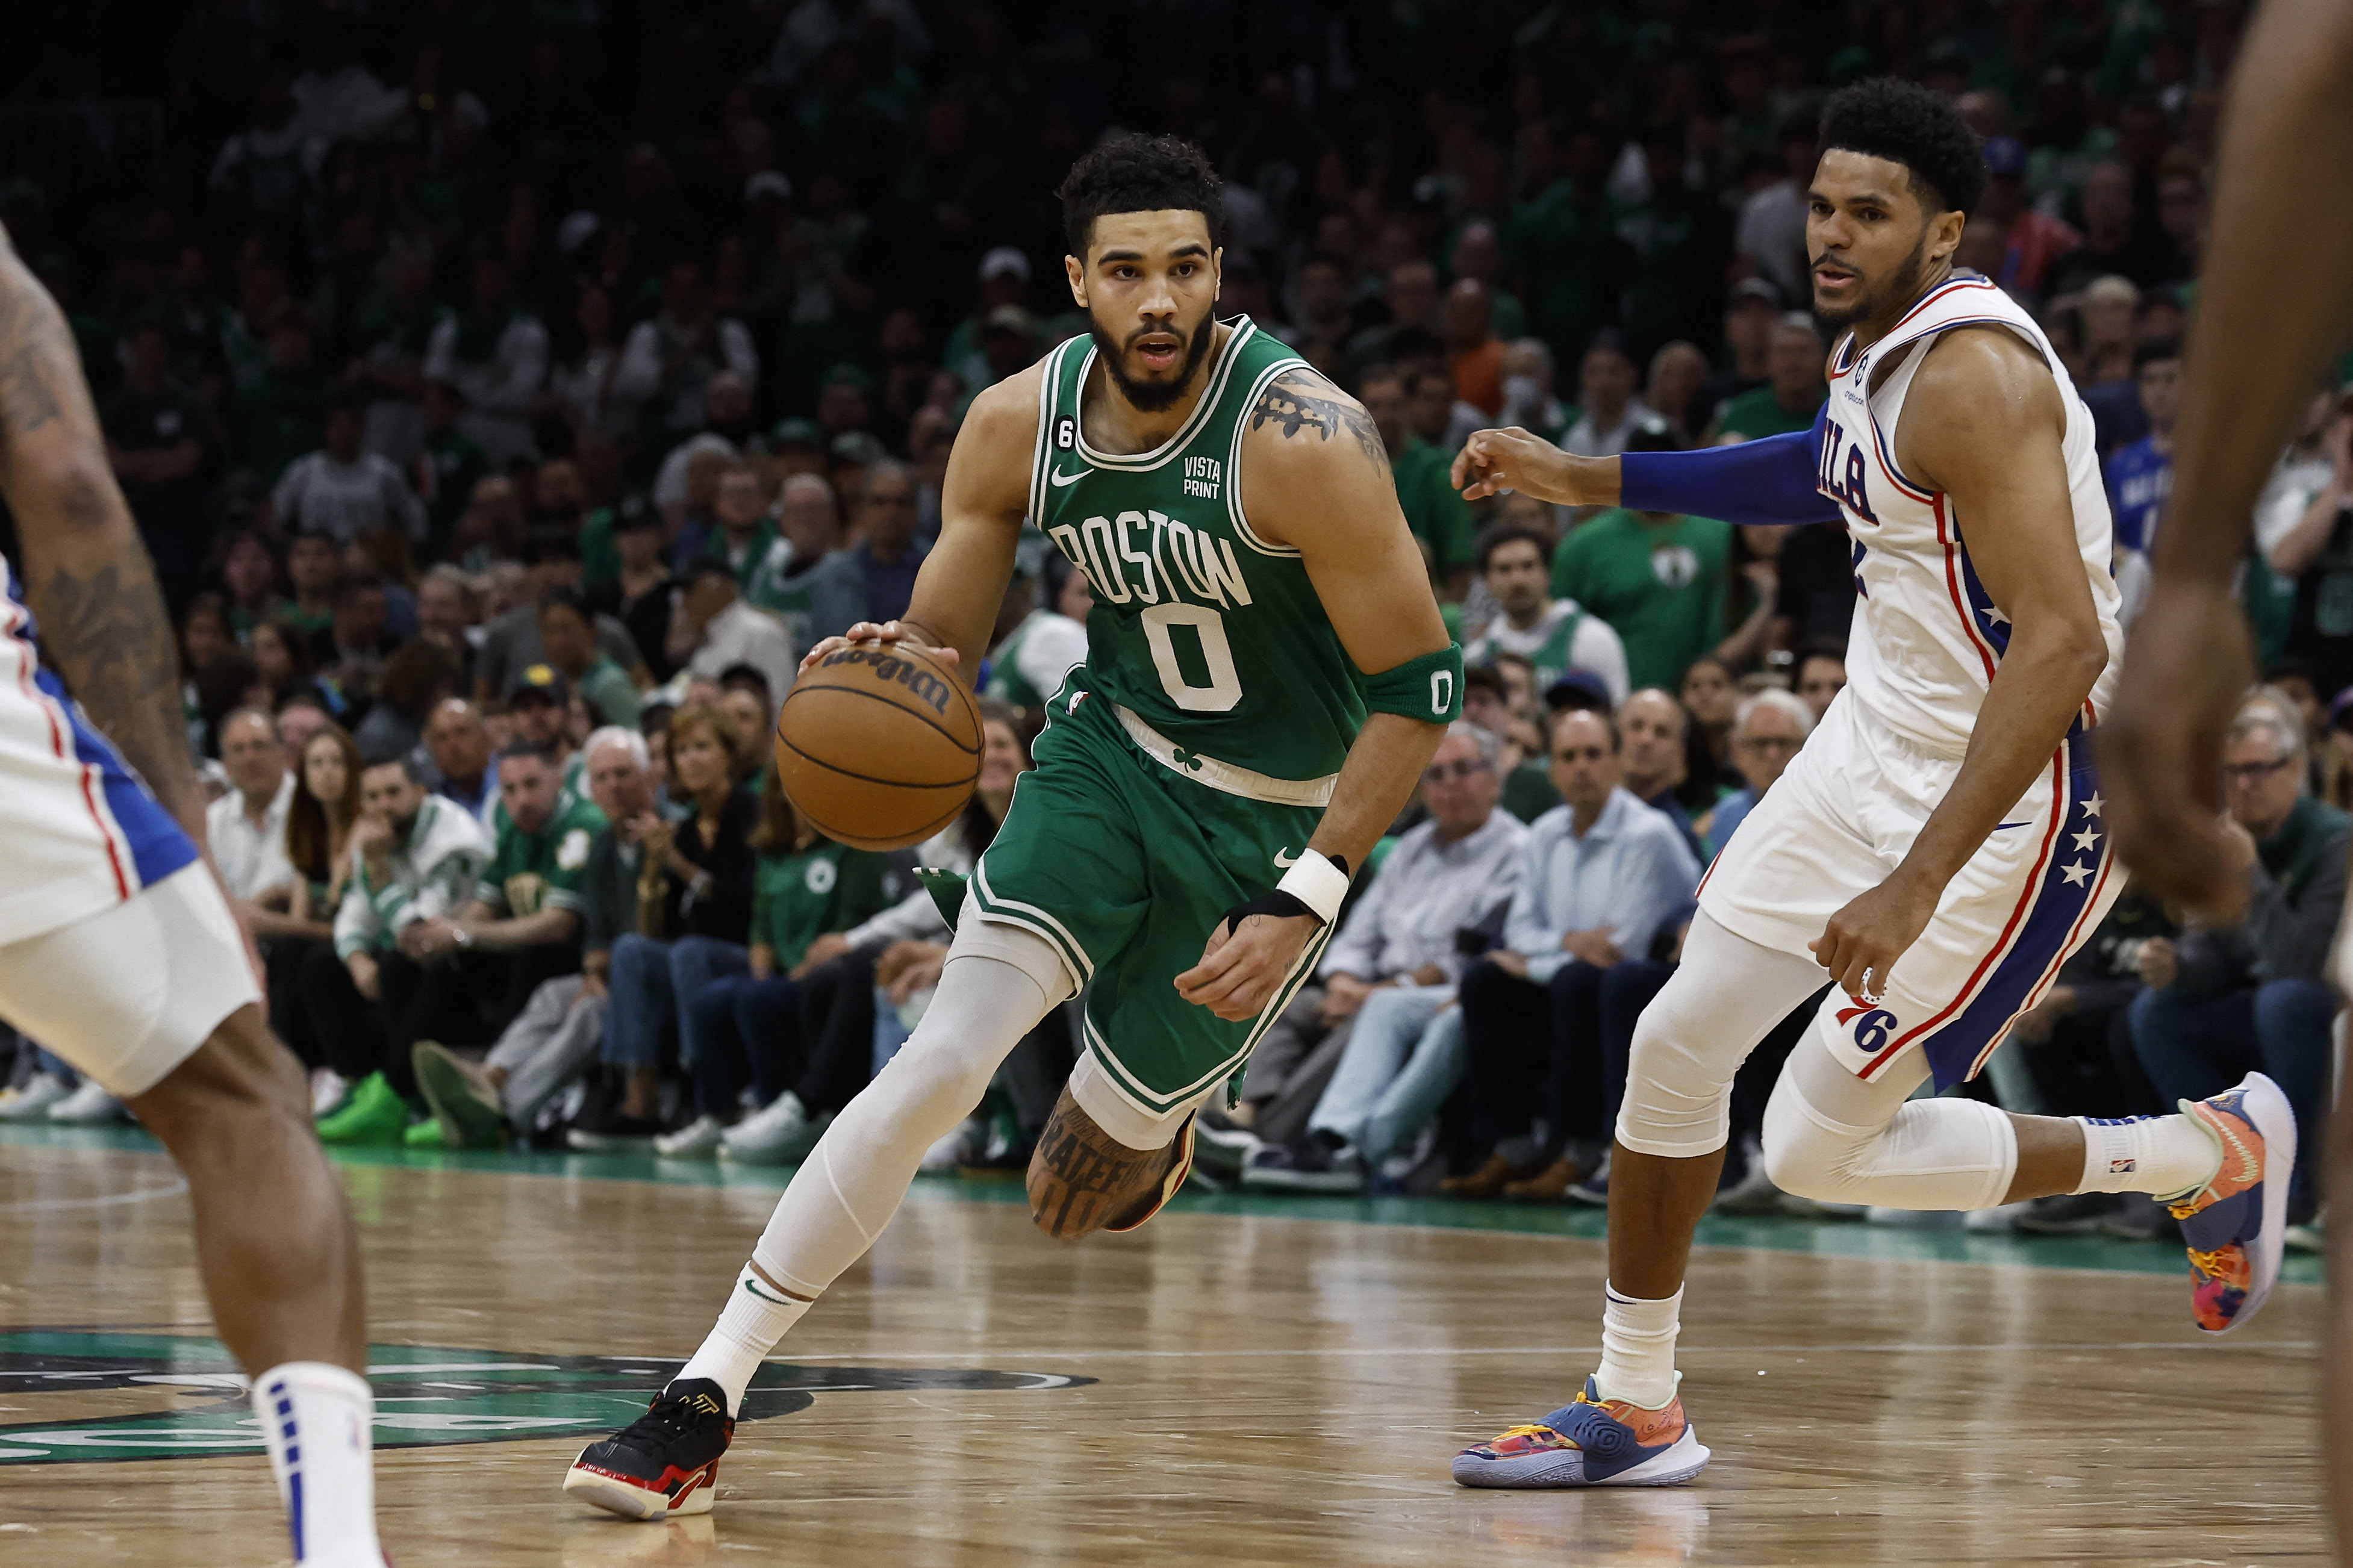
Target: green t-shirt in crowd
{"x": 530, "y": 872}
{"x": 1757, "y": 414}
{"x": 1529, "y": 792}
{"x": 1659, "y": 584}
{"x": 798, "y": 898}
{"x": 1434, "y": 507}
{"x": 715, "y": 548}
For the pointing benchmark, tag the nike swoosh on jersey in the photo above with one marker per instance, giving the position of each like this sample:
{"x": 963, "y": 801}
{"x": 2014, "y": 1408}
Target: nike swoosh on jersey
{"x": 1285, "y": 858}
{"x": 1059, "y": 478}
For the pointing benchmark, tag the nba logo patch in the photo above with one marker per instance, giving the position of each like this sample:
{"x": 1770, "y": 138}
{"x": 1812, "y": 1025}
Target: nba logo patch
{"x": 2122, "y": 1167}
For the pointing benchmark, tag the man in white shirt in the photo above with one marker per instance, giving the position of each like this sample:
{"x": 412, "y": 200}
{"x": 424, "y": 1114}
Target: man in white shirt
{"x": 714, "y": 627}
{"x": 497, "y": 356}
{"x": 248, "y": 826}
{"x": 1605, "y": 380}
{"x": 1606, "y": 879}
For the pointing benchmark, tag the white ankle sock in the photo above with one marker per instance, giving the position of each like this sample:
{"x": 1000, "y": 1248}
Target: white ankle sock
{"x": 1638, "y": 1348}
{"x": 754, "y": 1319}
{"x": 2161, "y": 1155}
{"x": 317, "y": 1422}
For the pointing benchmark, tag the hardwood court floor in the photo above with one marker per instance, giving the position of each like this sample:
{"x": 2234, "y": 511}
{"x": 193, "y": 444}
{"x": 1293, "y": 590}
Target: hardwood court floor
{"x": 1236, "y": 1383}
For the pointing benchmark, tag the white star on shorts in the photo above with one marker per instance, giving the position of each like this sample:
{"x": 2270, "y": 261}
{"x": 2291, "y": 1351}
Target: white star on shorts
{"x": 2091, "y": 804}
{"x": 2077, "y": 874}
{"x": 2086, "y": 839}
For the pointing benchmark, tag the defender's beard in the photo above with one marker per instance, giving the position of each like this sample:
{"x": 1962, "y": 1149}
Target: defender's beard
{"x": 1152, "y": 396}
{"x": 1906, "y": 283}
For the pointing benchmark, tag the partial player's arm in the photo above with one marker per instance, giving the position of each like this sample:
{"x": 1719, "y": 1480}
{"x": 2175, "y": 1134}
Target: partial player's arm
{"x": 1985, "y": 425}
{"x": 982, "y": 502}
{"x": 1314, "y": 477}
{"x": 86, "y": 576}
{"x": 2273, "y": 310}
{"x": 1766, "y": 483}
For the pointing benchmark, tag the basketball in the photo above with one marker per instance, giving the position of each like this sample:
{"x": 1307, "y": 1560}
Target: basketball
{"x": 879, "y": 746}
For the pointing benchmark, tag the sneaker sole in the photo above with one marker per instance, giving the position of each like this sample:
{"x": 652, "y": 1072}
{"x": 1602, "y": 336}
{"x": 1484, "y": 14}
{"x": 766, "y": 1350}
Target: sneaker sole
{"x": 632, "y": 1499}
{"x": 2275, "y": 1121}
{"x": 465, "y": 1121}
{"x": 1564, "y": 1470}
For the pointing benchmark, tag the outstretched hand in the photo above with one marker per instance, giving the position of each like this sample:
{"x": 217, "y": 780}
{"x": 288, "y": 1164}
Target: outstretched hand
{"x": 891, "y": 632}
{"x": 1240, "y": 970}
{"x": 1493, "y": 462}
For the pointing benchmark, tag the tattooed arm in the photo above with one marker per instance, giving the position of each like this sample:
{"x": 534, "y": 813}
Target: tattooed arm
{"x": 86, "y": 575}
{"x": 1314, "y": 477}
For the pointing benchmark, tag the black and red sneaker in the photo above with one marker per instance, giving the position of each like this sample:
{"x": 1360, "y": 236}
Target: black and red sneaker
{"x": 663, "y": 1465}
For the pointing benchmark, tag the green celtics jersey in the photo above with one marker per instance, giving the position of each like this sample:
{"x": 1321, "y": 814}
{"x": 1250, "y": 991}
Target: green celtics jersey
{"x": 533, "y": 871}
{"x": 1208, "y": 636}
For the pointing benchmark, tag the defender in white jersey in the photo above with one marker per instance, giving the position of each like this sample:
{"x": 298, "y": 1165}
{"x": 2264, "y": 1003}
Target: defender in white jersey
{"x": 118, "y": 951}
{"x": 1937, "y": 848}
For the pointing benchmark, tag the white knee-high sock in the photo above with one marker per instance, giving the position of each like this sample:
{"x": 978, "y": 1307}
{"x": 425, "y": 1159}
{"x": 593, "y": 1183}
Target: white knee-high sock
{"x": 1638, "y": 1348}
{"x": 317, "y": 1422}
{"x": 2163, "y": 1156}
{"x": 852, "y": 1184}
{"x": 754, "y": 1319}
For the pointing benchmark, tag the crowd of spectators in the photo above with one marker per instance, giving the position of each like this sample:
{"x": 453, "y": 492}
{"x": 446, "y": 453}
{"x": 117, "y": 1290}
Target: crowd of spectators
{"x": 509, "y": 395}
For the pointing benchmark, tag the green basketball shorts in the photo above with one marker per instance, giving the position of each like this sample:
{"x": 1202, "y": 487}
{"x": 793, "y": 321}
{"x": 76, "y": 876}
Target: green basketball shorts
{"x": 1125, "y": 865}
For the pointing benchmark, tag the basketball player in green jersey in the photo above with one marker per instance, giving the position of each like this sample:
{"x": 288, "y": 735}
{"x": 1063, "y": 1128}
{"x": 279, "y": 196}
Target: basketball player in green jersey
{"x": 1266, "y": 677}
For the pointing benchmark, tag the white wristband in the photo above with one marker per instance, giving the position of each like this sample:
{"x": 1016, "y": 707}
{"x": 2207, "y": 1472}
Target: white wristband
{"x": 1314, "y": 881}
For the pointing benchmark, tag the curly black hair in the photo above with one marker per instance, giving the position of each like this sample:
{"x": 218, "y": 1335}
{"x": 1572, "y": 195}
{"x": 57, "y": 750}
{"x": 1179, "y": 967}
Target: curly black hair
{"x": 1906, "y": 123}
{"x": 1129, "y": 171}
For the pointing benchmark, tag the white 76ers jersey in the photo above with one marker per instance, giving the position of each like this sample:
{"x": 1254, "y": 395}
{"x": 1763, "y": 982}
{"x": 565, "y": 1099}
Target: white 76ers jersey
{"x": 1927, "y": 635}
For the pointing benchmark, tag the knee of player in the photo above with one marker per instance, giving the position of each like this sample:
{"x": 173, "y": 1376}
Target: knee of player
{"x": 1799, "y": 1158}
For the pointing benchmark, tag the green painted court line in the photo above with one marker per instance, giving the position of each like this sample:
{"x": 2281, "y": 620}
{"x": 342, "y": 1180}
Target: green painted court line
{"x": 1823, "y": 1238}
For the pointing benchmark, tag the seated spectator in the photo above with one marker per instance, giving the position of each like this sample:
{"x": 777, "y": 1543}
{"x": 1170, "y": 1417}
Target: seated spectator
{"x": 1771, "y": 727}
{"x": 1527, "y": 783}
{"x": 540, "y": 710}
{"x": 320, "y": 817}
{"x": 458, "y": 744}
{"x": 1712, "y": 701}
{"x": 1657, "y": 769}
{"x": 314, "y": 564}
{"x": 354, "y": 644}
{"x": 747, "y": 1026}
{"x": 1354, "y": 1055}
{"x": 1605, "y": 881}
{"x": 639, "y": 596}
{"x": 246, "y": 828}
{"x": 250, "y": 583}
{"x": 511, "y": 644}
{"x": 560, "y": 1032}
{"x": 415, "y": 681}
{"x": 1793, "y": 386}
{"x": 340, "y": 489}
{"x": 743, "y": 698}
{"x": 1434, "y": 509}
{"x": 713, "y": 627}
{"x": 888, "y": 553}
{"x": 1657, "y": 578}
{"x": 496, "y": 356}
{"x": 746, "y": 531}
{"x": 567, "y": 635}
{"x": 2227, "y": 1000}
{"x": 838, "y": 974}
{"x": 299, "y": 717}
{"x": 414, "y": 857}
{"x": 1556, "y": 635}
{"x": 1606, "y": 378}
{"x": 695, "y": 921}
{"x": 1819, "y": 676}
{"x": 1035, "y": 646}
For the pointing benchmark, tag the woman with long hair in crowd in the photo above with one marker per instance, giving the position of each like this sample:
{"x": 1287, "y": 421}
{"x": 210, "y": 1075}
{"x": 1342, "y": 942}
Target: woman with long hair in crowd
{"x": 694, "y": 919}
{"x": 318, "y": 845}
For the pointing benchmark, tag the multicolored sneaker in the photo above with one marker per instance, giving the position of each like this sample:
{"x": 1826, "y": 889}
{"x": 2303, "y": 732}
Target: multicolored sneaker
{"x": 663, "y": 1465}
{"x": 1594, "y": 1442}
{"x": 2235, "y": 1226}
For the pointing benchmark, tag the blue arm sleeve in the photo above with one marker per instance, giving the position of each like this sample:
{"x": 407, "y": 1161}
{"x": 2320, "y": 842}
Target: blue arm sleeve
{"x": 1769, "y": 481}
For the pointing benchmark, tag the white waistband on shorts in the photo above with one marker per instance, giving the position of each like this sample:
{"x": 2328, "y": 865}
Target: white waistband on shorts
{"x": 1224, "y": 776}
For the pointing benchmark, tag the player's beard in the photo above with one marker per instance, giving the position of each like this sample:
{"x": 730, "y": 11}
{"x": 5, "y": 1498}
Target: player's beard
{"x": 1152, "y": 396}
{"x": 1906, "y": 284}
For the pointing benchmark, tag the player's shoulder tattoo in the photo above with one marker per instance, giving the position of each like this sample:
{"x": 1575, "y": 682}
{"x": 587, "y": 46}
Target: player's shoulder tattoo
{"x": 34, "y": 348}
{"x": 1301, "y": 405}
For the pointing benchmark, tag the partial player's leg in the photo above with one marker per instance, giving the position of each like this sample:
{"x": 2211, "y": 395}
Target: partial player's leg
{"x": 154, "y": 999}
{"x": 1626, "y": 1427}
{"x": 2223, "y": 1163}
{"x": 997, "y": 982}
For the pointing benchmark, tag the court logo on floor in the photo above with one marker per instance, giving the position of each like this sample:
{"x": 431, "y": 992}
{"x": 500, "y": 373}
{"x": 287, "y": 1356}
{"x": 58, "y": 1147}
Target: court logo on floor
{"x": 100, "y": 1395}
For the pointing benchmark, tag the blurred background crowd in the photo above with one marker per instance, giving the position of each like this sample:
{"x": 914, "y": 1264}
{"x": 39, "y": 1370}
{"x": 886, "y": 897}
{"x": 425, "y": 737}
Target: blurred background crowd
{"x": 509, "y": 393}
